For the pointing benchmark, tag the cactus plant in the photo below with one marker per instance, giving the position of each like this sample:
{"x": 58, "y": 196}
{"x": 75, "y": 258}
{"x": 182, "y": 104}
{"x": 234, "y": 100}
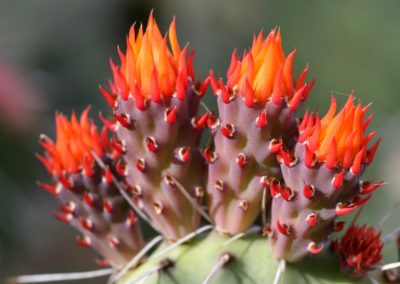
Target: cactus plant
{"x": 299, "y": 174}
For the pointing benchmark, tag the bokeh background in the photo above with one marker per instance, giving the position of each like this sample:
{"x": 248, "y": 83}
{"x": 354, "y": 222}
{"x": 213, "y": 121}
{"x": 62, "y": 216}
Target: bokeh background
{"x": 54, "y": 54}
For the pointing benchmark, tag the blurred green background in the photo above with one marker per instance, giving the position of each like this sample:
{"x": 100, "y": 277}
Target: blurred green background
{"x": 54, "y": 54}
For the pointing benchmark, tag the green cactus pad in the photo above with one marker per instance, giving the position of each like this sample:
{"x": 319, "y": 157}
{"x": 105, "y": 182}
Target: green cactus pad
{"x": 253, "y": 263}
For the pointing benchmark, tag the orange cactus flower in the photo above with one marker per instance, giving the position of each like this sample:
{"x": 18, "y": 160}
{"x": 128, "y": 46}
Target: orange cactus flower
{"x": 340, "y": 138}
{"x": 150, "y": 69}
{"x": 75, "y": 141}
{"x": 265, "y": 72}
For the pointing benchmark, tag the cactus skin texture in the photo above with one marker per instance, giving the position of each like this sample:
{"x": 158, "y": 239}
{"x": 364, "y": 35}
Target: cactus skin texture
{"x": 90, "y": 202}
{"x": 301, "y": 174}
{"x": 153, "y": 186}
{"x": 256, "y": 113}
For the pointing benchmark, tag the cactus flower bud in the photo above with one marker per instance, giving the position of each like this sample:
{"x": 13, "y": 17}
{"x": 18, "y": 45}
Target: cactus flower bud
{"x": 331, "y": 155}
{"x": 256, "y": 108}
{"x": 155, "y": 101}
{"x": 89, "y": 201}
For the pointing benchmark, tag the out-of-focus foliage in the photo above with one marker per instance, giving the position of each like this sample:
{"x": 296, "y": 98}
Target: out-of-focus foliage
{"x": 57, "y": 53}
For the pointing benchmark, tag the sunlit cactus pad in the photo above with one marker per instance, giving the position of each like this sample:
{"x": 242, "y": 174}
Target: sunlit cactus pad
{"x": 252, "y": 262}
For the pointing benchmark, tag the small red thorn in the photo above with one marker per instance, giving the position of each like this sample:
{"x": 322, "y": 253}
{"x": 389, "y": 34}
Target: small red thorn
{"x": 288, "y": 71}
{"x": 342, "y": 209}
{"x": 228, "y": 130}
{"x": 212, "y": 121}
{"x": 371, "y": 152}
{"x": 308, "y": 191}
{"x": 302, "y": 78}
{"x": 275, "y": 146}
{"x": 331, "y": 158}
{"x": 287, "y": 193}
{"x": 204, "y": 86}
{"x": 190, "y": 69}
{"x": 367, "y": 187}
{"x": 261, "y": 120}
{"x": 368, "y": 138}
{"x": 338, "y": 226}
{"x": 113, "y": 242}
{"x": 226, "y": 97}
{"x": 67, "y": 182}
{"x": 367, "y": 122}
{"x": 347, "y": 159}
{"x": 151, "y": 144}
{"x": 110, "y": 99}
{"x": 46, "y": 164}
{"x": 308, "y": 89}
{"x": 203, "y": 120}
{"x": 274, "y": 188}
{"x": 107, "y": 206}
{"x": 52, "y": 189}
{"x": 121, "y": 55}
{"x": 83, "y": 241}
{"x": 108, "y": 175}
{"x": 200, "y": 122}
{"x": 68, "y": 208}
{"x": 170, "y": 115}
{"x": 184, "y": 154}
{"x": 155, "y": 94}
{"x": 337, "y": 180}
{"x": 132, "y": 218}
{"x": 138, "y": 97}
{"x": 248, "y": 93}
{"x": 120, "y": 81}
{"x": 124, "y": 119}
{"x": 121, "y": 168}
{"x": 314, "y": 249}
{"x": 314, "y": 139}
{"x": 118, "y": 146}
{"x": 357, "y": 201}
{"x": 241, "y": 160}
{"x": 283, "y": 228}
{"x": 209, "y": 155}
{"x": 213, "y": 82}
{"x": 356, "y": 167}
{"x": 276, "y": 96}
{"x": 88, "y": 199}
{"x": 140, "y": 165}
{"x": 312, "y": 219}
{"x": 87, "y": 224}
{"x": 180, "y": 87}
{"x": 102, "y": 263}
{"x": 309, "y": 159}
{"x": 285, "y": 157}
{"x": 294, "y": 102}
{"x": 183, "y": 67}
{"x": 66, "y": 218}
